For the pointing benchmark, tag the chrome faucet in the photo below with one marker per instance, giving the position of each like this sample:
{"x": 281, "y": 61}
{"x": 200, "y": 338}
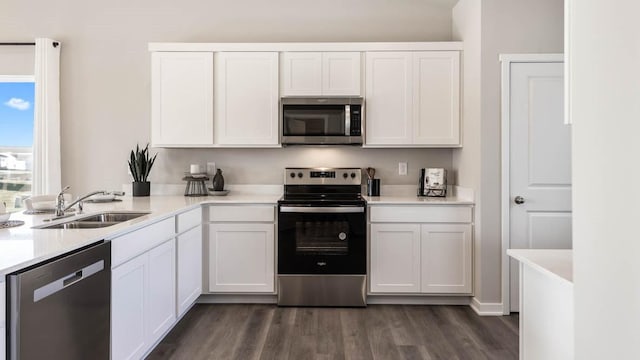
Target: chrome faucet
{"x": 60, "y": 205}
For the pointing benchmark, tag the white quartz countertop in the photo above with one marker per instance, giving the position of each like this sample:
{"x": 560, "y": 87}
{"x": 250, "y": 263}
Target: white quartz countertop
{"x": 415, "y": 200}
{"x": 406, "y": 195}
{"x": 23, "y": 246}
{"x": 553, "y": 262}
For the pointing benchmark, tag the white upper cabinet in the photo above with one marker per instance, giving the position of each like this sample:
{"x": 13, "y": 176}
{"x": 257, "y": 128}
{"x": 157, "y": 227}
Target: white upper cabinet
{"x": 246, "y": 99}
{"x": 413, "y": 99}
{"x": 301, "y": 73}
{"x": 182, "y": 99}
{"x": 436, "y": 98}
{"x": 388, "y": 98}
{"x": 321, "y": 73}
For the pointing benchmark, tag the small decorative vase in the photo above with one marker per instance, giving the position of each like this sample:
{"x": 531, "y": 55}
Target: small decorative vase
{"x": 218, "y": 181}
{"x": 141, "y": 188}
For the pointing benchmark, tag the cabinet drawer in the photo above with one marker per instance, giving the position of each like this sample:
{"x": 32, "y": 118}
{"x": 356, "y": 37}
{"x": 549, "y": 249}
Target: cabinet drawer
{"x": 136, "y": 242}
{"x": 240, "y": 213}
{"x": 189, "y": 219}
{"x": 421, "y": 214}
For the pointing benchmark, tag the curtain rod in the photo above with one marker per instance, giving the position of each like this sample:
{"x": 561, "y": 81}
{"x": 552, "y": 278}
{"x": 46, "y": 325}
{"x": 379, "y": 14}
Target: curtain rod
{"x": 55, "y": 44}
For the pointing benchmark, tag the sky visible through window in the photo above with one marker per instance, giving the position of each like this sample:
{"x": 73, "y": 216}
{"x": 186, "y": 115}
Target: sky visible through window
{"x": 16, "y": 113}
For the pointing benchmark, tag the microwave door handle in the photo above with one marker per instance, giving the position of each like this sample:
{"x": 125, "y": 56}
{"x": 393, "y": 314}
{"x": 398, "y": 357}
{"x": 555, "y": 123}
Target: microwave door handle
{"x": 347, "y": 120}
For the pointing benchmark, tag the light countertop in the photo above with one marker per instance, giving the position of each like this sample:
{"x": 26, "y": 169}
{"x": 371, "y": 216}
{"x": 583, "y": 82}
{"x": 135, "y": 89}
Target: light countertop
{"x": 415, "y": 200}
{"x": 406, "y": 195}
{"x": 23, "y": 246}
{"x": 553, "y": 262}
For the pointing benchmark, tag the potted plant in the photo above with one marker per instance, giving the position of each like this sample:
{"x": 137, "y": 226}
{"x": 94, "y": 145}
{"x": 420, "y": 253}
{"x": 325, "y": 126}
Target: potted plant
{"x": 140, "y": 163}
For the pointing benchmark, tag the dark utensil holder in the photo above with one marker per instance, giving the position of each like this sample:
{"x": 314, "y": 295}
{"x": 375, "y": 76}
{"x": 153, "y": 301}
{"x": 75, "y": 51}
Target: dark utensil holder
{"x": 373, "y": 187}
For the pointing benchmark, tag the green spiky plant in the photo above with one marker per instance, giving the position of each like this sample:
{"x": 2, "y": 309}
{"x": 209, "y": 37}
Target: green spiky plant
{"x": 140, "y": 163}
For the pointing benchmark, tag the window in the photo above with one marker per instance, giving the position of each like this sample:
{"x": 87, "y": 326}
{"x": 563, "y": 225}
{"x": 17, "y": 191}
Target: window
{"x": 16, "y": 138}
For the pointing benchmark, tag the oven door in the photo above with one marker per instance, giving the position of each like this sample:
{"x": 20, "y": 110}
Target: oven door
{"x": 322, "y": 240}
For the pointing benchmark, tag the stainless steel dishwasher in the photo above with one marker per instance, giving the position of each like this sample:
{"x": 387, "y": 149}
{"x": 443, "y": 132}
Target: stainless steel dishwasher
{"x": 61, "y": 309}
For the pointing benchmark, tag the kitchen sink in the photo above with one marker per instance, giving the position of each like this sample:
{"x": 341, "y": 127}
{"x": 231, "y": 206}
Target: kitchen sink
{"x": 95, "y": 221}
{"x": 114, "y": 217}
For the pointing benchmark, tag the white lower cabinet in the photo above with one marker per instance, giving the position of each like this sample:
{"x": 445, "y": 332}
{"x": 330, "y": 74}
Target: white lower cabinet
{"x": 128, "y": 294}
{"x": 162, "y": 290}
{"x": 395, "y": 252}
{"x": 241, "y": 257}
{"x": 143, "y": 301}
{"x": 426, "y": 258}
{"x": 446, "y": 258}
{"x": 189, "y": 254}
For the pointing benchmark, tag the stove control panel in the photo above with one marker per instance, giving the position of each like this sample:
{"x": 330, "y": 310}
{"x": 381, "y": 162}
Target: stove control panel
{"x": 322, "y": 176}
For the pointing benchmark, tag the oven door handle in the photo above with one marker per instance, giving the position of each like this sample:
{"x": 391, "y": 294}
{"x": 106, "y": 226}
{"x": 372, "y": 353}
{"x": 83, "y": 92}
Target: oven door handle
{"x": 322, "y": 209}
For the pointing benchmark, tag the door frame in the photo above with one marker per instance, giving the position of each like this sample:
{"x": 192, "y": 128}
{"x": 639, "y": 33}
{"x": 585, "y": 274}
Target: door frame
{"x": 506, "y": 60}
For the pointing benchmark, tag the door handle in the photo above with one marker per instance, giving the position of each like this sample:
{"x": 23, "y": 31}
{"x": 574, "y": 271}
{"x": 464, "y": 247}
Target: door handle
{"x": 518, "y": 200}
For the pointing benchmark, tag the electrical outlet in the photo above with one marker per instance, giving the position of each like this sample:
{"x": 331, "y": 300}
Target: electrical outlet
{"x": 211, "y": 168}
{"x": 402, "y": 168}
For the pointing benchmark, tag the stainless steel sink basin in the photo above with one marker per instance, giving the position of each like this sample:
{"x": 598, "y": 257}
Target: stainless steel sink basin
{"x": 114, "y": 217}
{"x": 95, "y": 221}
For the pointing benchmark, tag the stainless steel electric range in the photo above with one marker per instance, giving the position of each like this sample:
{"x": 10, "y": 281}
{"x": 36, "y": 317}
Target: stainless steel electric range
{"x": 322, "y": 238}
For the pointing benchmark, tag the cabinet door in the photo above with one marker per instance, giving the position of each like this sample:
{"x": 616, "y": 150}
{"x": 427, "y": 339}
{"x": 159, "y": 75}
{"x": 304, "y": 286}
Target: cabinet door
{"x": 388, "y": 98}
{"x": 128, "y": 308}
{"x": 182, "y": 99}
{"x": 161, "y": 301}
{"x": 341, "y": 73}
{"x": 189, "y": 268}
{"x": 246, "y": 101}
{"x": 241, "y": 258}
{"x": 436, "y": 98}
{"x": 301, "y": 73}
{"x": 395, "y": 258}
{"x": 446, "y": 258}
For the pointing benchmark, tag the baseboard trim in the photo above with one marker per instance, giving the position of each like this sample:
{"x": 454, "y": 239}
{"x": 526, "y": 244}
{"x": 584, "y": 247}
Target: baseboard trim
{"x": 417, "y": 300}
{"x": 486, "y": 309}
{"x": 237, "y": 299}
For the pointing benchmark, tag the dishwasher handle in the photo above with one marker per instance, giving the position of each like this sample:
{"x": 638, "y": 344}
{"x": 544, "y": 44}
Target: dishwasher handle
{"x": 67, "y": 280}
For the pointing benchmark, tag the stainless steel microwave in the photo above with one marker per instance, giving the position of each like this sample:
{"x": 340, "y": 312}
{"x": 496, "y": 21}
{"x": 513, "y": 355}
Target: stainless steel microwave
{"x": 322, "y": 120}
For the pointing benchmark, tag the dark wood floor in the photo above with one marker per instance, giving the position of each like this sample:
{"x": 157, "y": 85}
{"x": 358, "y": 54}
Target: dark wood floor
{"x": 377, "y": 332}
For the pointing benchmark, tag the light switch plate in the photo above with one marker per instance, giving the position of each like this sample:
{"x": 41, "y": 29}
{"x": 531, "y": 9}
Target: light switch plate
{"x": 402, "y": 168}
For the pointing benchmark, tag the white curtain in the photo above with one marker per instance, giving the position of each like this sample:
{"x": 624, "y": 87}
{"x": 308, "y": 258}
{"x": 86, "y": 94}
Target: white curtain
{"x": 46, "y": 130}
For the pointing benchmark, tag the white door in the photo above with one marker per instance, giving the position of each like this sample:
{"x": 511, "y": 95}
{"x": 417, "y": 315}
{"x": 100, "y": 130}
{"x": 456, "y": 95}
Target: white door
{"x": 446, "y": 258}
{"x": 189, "y": 268}
{"x": 241, "y": 258}
{"x": 246, "y": 99}
{"x": 182, "y": 99}
{"x": 395, "y": 258}
{"x": 540, "y": 163}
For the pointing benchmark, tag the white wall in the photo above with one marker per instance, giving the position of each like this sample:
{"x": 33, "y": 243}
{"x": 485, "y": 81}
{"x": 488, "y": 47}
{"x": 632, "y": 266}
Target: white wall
{"x": 604, "y": 91}
{"x": 505, "y": 26}
{"x": 508, "y": 26}
{"x": 105, "y": 67}
{"x": 467, "y": 26}
{"x": 17, "y": 60}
